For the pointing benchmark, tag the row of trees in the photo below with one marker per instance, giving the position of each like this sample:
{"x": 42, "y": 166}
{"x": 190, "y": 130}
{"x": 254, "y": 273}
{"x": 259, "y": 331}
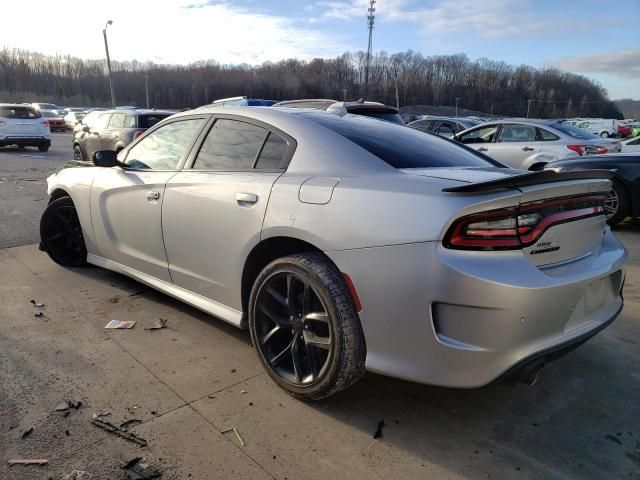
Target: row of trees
{"x": 405, "y": 78}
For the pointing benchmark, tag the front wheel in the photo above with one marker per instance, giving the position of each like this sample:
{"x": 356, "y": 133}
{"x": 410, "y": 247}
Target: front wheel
{"x": 305, "y": 327}
{"x": 617, "y": 204}
{"x": 77, "y": 153}
{"x": 604, "y": 134}
{"x": 61, "y": 234}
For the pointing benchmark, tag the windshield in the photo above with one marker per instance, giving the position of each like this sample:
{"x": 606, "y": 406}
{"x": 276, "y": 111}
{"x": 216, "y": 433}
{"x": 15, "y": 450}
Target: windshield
{"x": 575, "y": 132}
{"x": 399, "y": 146}
{"x": 48, "y": 114}
{"x": 19, "y": 112}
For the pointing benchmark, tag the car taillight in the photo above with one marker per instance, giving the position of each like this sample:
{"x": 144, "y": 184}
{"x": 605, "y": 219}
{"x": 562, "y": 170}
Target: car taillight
{"x": 600, "y": 150}
{"x": 137, "y": 134}
{"x": 579, "y": 149}
{"x": 518, "y": 227}
{"x": 45, "y": 123}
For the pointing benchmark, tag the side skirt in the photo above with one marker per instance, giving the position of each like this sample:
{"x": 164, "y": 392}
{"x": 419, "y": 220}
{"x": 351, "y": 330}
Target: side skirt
{"x": 207, "y": 305}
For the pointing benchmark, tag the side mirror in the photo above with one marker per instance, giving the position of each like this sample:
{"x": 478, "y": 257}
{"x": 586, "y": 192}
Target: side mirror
{"x": 84, "y": 127}
{"x": 105, "y": 158}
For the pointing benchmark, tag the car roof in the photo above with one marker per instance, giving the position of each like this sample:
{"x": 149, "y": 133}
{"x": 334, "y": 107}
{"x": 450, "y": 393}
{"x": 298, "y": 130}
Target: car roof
{"x": 140, "y": 111}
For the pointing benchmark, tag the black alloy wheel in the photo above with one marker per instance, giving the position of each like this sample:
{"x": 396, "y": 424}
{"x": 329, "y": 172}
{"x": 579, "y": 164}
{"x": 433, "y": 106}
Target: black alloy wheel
{"x": 77, "y": 153}
{"x": 305, "y": 328}
{"x": 61, "y": 233}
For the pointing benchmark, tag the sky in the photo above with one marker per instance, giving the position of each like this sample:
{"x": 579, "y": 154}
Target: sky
{"x": 598, "y": 39}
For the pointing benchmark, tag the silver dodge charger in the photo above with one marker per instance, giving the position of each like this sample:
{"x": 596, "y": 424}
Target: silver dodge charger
{"x": 346, "y": 243}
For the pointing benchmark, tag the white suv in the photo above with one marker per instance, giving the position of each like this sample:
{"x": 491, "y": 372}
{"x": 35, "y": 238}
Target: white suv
{"x": 23, "y": 125}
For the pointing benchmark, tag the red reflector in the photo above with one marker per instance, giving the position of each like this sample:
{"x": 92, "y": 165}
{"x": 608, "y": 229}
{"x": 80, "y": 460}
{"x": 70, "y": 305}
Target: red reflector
{"x": 352, "y": 291}
{"x": 601, "y": 150}
{"x": 137, "y": 134}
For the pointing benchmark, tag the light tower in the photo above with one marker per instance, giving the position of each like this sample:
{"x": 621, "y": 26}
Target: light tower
{"x": 370, "y": 21}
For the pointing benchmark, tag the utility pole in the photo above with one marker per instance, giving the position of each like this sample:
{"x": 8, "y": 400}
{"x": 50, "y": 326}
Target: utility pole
{"x": 344, "y": 94}
{"x": 106, "y": 49}
{"x": 370, "y": 21}
{"x": 146, "y": 87}
{"x": 457, "y": 100}
{"x": 528, "y": 107}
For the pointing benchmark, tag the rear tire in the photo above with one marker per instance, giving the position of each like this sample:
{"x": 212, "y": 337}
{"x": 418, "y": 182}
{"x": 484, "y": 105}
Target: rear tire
{"x": 604, "y": 134}
{"x": 617, "y": 204}
{"x": 77, "y": 153}
{"x": 61, "y": 234}
{"x": 305, "y": 327}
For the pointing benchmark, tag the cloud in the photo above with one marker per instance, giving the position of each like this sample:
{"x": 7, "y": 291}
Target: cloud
{"x": 487, "y": 18}
{"x": 623, "y": 63}
{"x": 178, "y": 31}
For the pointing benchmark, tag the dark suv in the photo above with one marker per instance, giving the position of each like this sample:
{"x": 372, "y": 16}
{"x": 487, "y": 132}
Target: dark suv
{"x": 113, "y": 130}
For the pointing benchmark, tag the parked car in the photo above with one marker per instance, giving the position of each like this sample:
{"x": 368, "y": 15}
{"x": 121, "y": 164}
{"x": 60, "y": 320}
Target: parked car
{"x": 113, "y": 130}
{"x": 72, "y": 119}
{"x": 531, "y": 144}
{"x": 345, "y": 243}
{"x": 55, "y": 121}
{"x": 45, "y": 106}
{"x": 88, "y": 121}
{"x": 624, "y": 198}
{"x": 445, "y": 126}
{"x": 243, "y": 102}
{"x": 624, "y": 130}
{"x": 368, "y": 109}
{"x": 23, "y": 126}
{"x": 603, "y": 127}
{"x": 630, "y": 145}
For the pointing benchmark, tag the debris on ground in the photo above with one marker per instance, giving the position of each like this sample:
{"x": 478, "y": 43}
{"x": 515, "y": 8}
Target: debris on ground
{"x": 160, "y": 323}
{"x": 235, "y": 431}
{"x": 66, "y": 405}
{"x": 101, "y": 414}
{"x": 28, "y": 461}
{"x": 378, "y": 433}
{"x": 26, "y": 433}
{"x": 114, "y": 299}
{"x": 120, "y": 324}
{"x": 613, "y": 439}
{"x": 136, "y": 470}
{"x": 135, "y": 294}
{"x": 110, "y": 427}
{"x": 77, "y": 475}
{"x": 38, "y": 314}
{"x": 37, "y": 304}
{"x": 130, "y": 424}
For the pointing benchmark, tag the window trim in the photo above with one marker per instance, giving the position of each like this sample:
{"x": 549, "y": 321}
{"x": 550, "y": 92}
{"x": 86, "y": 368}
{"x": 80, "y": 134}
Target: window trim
{"x": 292, "y": 144}
{"x": 169, "y": 120}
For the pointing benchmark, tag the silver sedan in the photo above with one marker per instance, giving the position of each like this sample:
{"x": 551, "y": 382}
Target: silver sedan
{"x": 344, "y": 244}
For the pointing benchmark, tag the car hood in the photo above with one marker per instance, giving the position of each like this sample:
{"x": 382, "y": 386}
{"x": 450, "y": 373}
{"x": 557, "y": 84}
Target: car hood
{"x": 465, "y": 174}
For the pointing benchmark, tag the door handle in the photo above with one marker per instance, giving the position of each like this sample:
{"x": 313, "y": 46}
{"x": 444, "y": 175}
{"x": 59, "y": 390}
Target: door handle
{"x": 527, "y": 149}
{"x": 244, "y": 199}
{"x": 483, "y": 149}
{"x": 153, "y": 195}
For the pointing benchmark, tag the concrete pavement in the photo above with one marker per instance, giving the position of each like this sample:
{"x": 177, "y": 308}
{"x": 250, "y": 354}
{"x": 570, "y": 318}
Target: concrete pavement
{"x": 196, "y": 378}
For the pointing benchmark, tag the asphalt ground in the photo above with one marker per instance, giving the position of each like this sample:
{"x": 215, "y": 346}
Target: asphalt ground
{"x": 197, "y": 378}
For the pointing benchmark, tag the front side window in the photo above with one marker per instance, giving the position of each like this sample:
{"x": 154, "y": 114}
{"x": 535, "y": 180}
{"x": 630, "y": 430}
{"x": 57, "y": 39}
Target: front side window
{"x": 518, "y": 133}
{"x": 480, "y": 135}
{"x": 446, "y": 130}
{"x": 230, "y": 145}
{"x": 164, "y": 148}
{"x": 130, "y": 121}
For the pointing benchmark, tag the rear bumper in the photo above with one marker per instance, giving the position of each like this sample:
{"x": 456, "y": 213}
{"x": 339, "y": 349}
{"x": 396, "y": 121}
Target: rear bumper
{"x": 25, "y": 141}
{"x": 464, "y": 319}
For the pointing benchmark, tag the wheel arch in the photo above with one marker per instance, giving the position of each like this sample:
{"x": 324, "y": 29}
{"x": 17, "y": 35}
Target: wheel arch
{"x": 265, "y": 252}
{"x": 59, "y": 193}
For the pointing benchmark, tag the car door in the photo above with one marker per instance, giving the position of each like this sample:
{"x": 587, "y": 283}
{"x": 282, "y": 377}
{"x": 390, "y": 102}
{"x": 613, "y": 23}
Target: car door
{"x": 126, "y": 202}
{"x": 213, "y": 210}
{"x": 92, "y": 141}
{"x": 480, "y": 138}
{"x": 110, "y": 135}
{"x": 516, "y": 145}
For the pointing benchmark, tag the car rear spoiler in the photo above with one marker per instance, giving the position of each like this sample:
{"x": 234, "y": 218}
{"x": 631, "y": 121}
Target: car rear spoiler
{"x": 531, "y": 178}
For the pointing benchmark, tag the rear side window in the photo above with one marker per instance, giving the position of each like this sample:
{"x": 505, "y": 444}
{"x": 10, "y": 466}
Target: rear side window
{"x": 518, "y": 133}
{"x": 230, "y": 145}
{"x": 547, "y": 136}
{"x": 272, "y": 153}
{"x": 117, "y": 120}
{"x": 19, "y": 112}
{"x": 399, "y": 146}
{"x": 148, "y": 121}
{"x": 130, "y": 121}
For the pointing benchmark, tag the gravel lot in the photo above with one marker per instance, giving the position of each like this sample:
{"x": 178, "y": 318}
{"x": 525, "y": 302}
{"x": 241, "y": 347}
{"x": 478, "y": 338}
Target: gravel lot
{"x": 193, "y": 380}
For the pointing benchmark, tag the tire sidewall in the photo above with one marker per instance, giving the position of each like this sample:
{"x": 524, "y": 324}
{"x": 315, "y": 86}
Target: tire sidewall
{"x": 53, "y": 206}
{"x": 623, "y": 204}
{"x": 325, "y": 382}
